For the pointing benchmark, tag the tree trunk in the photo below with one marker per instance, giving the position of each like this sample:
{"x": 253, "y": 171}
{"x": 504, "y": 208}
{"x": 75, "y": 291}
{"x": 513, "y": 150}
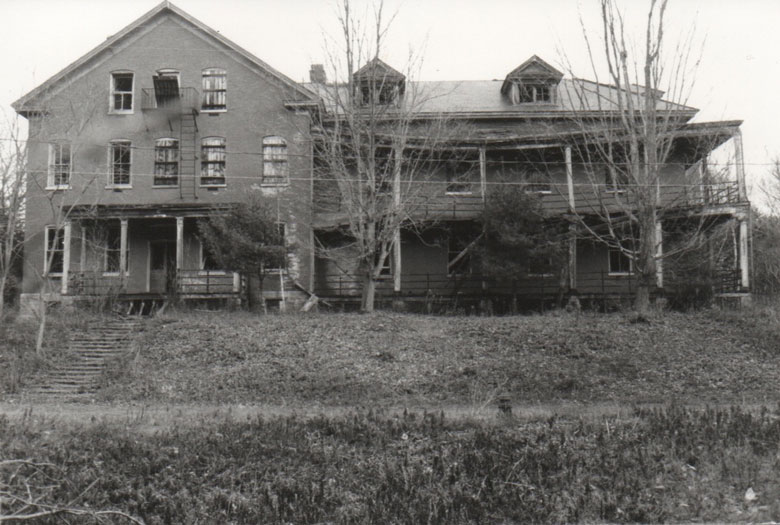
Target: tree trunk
{"x": 369, "y": 293}
{"x": 646, "y": 263}
{"x": 41, "y": 322}
{"x": 2, "y": 297}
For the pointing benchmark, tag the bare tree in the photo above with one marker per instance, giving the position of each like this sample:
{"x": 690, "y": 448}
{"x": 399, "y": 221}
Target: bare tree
{"x": 374, "y": 147}
{"x": 13, "y": 158}
{"x": 630, "y": 133}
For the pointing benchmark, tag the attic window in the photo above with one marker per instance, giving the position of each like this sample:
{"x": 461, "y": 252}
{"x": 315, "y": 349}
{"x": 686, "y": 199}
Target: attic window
{"x": 524, "y": 93}
{"x": 122, "y": 92}
{"x": 378, "y": 93}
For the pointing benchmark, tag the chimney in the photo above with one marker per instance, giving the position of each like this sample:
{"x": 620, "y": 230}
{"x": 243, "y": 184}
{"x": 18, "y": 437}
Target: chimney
{"x": 317, "y": 74}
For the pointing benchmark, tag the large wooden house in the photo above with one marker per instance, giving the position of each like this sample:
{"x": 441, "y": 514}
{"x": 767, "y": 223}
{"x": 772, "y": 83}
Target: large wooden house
{"x": 168, "y": 121}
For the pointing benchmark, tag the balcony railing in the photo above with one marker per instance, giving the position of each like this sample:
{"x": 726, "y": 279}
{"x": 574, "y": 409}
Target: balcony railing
{"x": 186, "y": 99}
{"x": 95, "y": 283}
{"x": 207, "y": 282}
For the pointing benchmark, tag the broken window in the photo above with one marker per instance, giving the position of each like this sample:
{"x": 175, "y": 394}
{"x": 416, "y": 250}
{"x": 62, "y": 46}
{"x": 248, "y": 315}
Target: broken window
{"x": 212, "y": 163}
{"x": 524, "y": 93}
{"x": 119, "y": 151}
{"x": 55, "y": 250}
{"x": 458, "y": 256}
{"x": 214, "y": 89}
{"x": 207, "y": 259}
{"x": 59, "y": 166}
{"x": 122, "y": 92}
{"x": 275, "y": 161}
{"x": 166, "y": 162}
{"x": 459, "y": 174}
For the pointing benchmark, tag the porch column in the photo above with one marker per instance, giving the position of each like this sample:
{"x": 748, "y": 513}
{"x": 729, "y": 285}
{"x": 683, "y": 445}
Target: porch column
{"x": 743, "y": 254}
{"x": 66, "y": 236}
{"x": 659, "y": 252}
{"x": 123, "y": 248}
{"x": 398, "y": 153}
{"x": 739, "y": 159}
{"x": 570, "y": 179}
{"x": 482, "y": 173}
{"x": 179, "y": 244}
{"x": 572, "y": 258}
{"x": 83, "y": 251}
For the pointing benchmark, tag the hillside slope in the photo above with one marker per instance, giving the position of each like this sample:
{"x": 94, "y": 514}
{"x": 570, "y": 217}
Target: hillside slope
{"x": 399, "y": 360}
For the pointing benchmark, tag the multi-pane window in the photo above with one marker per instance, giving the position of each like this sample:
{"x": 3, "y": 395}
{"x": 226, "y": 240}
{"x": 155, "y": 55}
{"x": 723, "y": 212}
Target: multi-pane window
{"x": 113, "y": 247}
{"x": 55, "y": 250}
{"x": 526, "y": 93}
{"x": 274, "y": 161}
{"x": 619, "y": 262}
{"x": 59, "y": 165}
{"x": 212, "y": 161}
{"x": 122, "y": 92}
{"x": 537, "y": 182}
{"x": 214, "y": 89}
{"x": 166, "y": 162}
{"x": 119, "y": 151}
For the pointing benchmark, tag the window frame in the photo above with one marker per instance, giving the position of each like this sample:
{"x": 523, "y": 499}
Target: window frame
{"x": 206, "y": 162}
{"x": 531, "y": 92}
{"x": 113, "y": 146}
{"x": 213, "y": 72}
{"x": 615, "y": 186}
{"x": 280, "y": 162}
{"x": 622, "y": 256}
{"x": 47, "y": 249}
{"x": 52, "y": 173}
{"x": 114, "y": 92}
{"x": 455, "y": 246}
{"x": 533, "y": 179}
{"x": 159, "y": 148}
{"x": 203, "y": 252}
{"x": 452, "y": 176}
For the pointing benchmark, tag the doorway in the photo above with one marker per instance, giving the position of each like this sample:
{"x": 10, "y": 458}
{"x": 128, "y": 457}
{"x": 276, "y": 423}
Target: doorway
{"x": 162, "y": 267}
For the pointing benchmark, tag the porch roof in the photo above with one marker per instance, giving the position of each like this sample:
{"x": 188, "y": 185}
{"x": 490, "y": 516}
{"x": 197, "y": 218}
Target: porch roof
{"x": 148, "y": 211}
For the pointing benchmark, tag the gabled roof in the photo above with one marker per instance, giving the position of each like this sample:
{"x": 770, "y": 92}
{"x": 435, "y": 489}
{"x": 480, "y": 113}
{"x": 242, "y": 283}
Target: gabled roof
{"x": 378, "y": 70}
{"x": 165, "y": 8}
{"x": 533, "y": 69}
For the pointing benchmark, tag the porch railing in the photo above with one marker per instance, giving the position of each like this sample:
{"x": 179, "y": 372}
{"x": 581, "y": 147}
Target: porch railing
{"x": 187, "y": 99}
{"x": 95, "y": 283}
{"x": 207, "y": 282}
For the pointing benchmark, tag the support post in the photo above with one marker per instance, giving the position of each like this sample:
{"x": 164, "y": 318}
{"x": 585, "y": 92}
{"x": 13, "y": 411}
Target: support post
{"x": 179, "y": 244}
{"x": 66, "y": 255}
{"x": 739, "y": 158}
{"x": 123, "y": 248}
{"x": 744, "y": 266}
{"x": 482, "y": 172}
{"x": 570, "y": 179}
{"x": 398, "y": 152}
{"x": 572, "y": 258}
{"x": 83, "y": 248}
{"x": 659, "y": 253}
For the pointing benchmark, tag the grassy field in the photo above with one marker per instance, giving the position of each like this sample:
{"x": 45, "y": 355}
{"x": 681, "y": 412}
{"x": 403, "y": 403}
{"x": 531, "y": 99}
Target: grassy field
{"x": 671, "y": 465}
{"x": 392, "y": 360}
{"x": 391, "y": 418}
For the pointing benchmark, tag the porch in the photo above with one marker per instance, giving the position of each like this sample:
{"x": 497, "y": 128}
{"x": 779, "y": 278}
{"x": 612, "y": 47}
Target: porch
{"x": 134, "y": 254}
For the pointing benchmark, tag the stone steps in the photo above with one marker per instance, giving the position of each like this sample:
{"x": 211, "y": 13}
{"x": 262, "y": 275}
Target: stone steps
{"x": 89, "y": 353}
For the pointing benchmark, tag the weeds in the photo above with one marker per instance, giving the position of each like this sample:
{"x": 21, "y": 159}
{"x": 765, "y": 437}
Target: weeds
{"x": 671, "y": 464}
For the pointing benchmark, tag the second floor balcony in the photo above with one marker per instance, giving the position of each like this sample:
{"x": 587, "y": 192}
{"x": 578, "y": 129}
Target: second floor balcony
{"x": 170, "y": 99}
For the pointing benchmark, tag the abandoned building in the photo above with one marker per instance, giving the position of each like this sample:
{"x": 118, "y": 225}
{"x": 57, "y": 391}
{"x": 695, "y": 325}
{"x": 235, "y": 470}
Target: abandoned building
{"x": 159, "y": 138}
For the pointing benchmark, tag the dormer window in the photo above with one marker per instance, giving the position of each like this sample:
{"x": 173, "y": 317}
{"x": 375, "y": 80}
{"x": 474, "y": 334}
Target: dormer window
{"x": 376, "y": 83}
{"x": 533, "y": 82}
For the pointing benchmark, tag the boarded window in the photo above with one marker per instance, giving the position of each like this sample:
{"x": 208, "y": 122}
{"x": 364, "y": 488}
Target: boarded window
{"x": 212, "y": 163}
{"x": 275, "y": 170}
{"x": 214, "y": 89}
{"x": 166, "y": 162}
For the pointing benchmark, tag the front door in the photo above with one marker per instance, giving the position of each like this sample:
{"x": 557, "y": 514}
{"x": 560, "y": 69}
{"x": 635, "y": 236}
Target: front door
{"x": 162, "y": 267}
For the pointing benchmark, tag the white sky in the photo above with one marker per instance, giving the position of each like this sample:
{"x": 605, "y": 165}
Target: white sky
{"x": 738, "y": 77}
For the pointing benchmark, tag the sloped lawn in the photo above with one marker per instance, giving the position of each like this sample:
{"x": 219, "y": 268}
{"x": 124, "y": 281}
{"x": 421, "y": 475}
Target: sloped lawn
{"x": 389, "y": 359}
